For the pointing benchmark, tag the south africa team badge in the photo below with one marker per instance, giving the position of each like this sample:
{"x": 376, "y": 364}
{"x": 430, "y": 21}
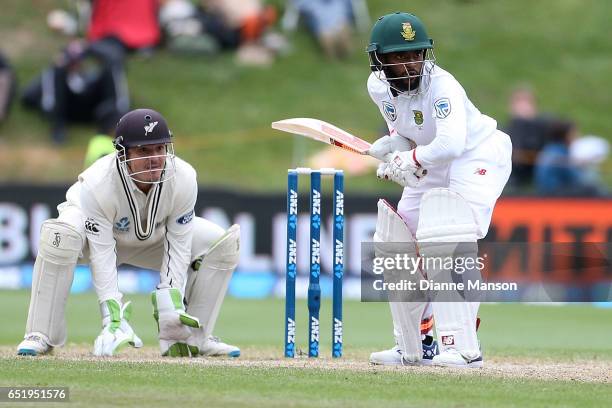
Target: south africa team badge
{"x": 389, "y": 110}
{"x": 418, "y": 117}
{"x": 407, "y": 32}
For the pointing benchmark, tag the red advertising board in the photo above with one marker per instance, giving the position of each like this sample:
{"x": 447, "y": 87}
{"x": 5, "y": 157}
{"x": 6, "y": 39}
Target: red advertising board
{"x": 553, "y": 220}
{"x": 551, "y": 240}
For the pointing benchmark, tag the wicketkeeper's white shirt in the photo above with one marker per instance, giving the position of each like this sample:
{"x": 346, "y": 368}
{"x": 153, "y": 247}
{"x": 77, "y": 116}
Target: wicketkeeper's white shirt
{"x": 110, "y": 202}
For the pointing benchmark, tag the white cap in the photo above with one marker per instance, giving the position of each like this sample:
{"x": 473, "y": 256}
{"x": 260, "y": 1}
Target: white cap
{"x": 589, "y": 149}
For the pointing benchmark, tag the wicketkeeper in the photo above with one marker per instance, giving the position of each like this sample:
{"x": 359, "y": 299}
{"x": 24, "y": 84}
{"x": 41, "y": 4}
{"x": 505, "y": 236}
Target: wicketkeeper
{"x": 135, "y": 206}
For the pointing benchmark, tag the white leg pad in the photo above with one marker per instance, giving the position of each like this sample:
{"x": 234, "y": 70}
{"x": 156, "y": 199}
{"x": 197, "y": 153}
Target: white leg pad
{"x": 391, "y": 228}
{"x": 206, "y": 287}
{"x": 445, "y": 217}
{"x": 59, "y": 249}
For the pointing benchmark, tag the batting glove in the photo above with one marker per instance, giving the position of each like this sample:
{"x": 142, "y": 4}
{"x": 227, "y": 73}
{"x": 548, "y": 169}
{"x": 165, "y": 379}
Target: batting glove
{"x": 383, "y": 147}
{"x": 174, "y": 324}
{"x": 403, "y": 168}
{"x": 117, "y": 331}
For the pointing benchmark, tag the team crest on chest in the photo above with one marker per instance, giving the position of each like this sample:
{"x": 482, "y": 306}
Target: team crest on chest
{"x": 443, "y": 108}
{"x": 123, "y": 225}
{"x": 389, "y": 110}
{"x": 418, "y": 117}
{"x": 407, "y": 32}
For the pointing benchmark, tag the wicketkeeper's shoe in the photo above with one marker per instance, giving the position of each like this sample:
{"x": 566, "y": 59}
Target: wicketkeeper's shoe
{"x": 213, "y": 347}
{"x": 34, "y": 344}
{"x": 452, "y": 358}
{"x": 393, "y": 356}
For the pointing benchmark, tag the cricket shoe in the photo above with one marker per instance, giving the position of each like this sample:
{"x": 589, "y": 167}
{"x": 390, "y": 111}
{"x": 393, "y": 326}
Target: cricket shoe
{"x": 213, "y": 347}
{"x": 34, "y": 344}
{"x": 452, "y": 358}
{"x": 393, "y": 356}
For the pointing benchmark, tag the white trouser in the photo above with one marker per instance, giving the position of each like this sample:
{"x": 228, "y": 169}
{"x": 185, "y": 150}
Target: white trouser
{"x": 205, "y": 234}
{"x": 150, "y": 255}
{"x": 479, "y": 176}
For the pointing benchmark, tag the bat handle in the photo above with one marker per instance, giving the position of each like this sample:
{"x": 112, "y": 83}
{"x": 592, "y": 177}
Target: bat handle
{"x": 384, "y": 158}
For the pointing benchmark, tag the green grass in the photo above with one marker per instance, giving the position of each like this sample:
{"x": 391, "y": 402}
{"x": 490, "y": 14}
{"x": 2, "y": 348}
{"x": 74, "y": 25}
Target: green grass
{"x": 220, "y": 112}
{"x": 95, "y": 384}
{"x": 507, "y": 329}
{"x": 565, "y": 334}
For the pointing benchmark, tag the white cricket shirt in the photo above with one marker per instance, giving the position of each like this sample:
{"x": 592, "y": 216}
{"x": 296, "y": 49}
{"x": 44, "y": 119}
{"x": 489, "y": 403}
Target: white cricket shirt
{"x": 113, "y": 208}
{"x": 442, "y": 121}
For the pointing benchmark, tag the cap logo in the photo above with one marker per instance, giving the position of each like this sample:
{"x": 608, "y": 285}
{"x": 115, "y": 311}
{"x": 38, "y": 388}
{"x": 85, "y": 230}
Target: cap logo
{"x": 149, "y": 128}
{"x": 407, "y": 32}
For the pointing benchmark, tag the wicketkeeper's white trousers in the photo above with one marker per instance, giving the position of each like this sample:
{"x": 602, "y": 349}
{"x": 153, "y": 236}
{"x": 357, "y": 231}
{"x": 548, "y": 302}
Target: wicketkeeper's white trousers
{"x": 148, "y": 256}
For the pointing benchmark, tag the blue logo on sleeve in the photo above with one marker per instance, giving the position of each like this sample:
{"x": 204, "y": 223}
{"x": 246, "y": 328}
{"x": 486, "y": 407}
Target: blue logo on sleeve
{"x": 185, "y": 219}
{"x": 389, "y": 110}
{"x": 443, "y": 108}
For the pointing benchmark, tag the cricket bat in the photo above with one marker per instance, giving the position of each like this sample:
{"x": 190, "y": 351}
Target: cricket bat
{"x": 323, "y": 132}
{"x": 327, "y": 133}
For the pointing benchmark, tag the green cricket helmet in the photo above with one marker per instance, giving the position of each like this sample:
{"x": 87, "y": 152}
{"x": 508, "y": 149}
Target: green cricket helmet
{"x": 396, "y": 33}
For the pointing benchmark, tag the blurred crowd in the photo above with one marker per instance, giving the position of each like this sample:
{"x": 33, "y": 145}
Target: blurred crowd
{"x": 86, "y": 81}
{"x": 550, "y": 156}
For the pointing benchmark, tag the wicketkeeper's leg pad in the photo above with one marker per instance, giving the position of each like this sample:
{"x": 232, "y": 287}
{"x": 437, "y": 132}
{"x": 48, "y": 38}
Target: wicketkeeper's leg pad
{"x": 209, "y": 278}
{"x": 393, "y": 237}
{"x": 59, "y": 248}
{"x": 447, "y": 228}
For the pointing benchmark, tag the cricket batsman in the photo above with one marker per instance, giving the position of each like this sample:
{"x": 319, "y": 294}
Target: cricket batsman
{"x": 135, "y": 206}
{"x": 433, "y": 126}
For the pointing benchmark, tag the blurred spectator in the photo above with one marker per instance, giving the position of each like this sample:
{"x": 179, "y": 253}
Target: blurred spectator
{"x": 99, "y": 146}
{"x": 63, "y": 22}
{"x": 249, "y": 17}
{"x": 133, "y": 22}
{"x": 86, "y": 83}
{"x": 587, "y": 153}
{"x": 528, "y": 131}
{"x": 181, "y": 23}
{"x": 241, "y": 24}
{"x": 8, "y": 87}
{"x": 71, "y": 23}
{"x": 330, "y": 21}
{"x": 555, "y": 174}
{"x": 214, "y": 25}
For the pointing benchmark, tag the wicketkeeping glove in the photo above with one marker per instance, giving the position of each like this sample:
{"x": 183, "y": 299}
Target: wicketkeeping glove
{"x": 116, "y": 332}
{"x": 174, "y": 323}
